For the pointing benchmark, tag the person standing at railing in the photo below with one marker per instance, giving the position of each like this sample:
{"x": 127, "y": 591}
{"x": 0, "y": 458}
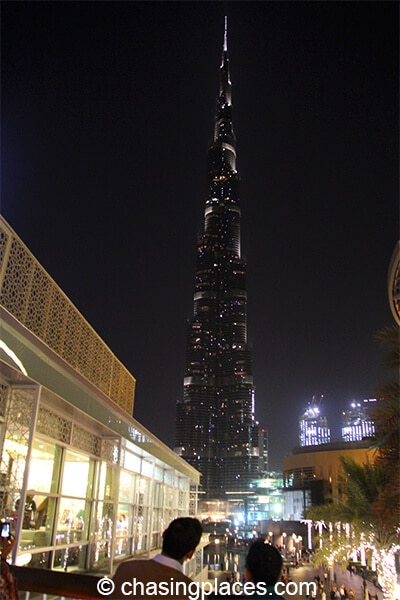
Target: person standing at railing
{"x": 8, "y": 583}
{"x": 141, "y": 578}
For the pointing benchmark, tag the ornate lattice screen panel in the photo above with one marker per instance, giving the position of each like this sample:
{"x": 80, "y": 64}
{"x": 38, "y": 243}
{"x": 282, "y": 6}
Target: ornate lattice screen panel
{"x": 54, "y": 426}
{"x": 32, "y": 297}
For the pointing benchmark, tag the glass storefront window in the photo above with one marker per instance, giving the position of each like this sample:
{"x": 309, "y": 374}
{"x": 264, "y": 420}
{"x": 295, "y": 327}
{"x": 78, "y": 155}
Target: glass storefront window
{"x": 158, "y": 528}
{"x": 102, "y": 533}
{"x": 73, "y": 521}
{"x": 123, "y": 529}
{"x": 158, "y": 494}
{"x": 107, "y": 484}
{"x": 44, "y": 469}
{"x": 77, "y": 475}
{"x": 158, "y": 473}
{"x": 170, "y": 497}
{"x": 40, "y": 535}
{"x": 39, "y": 560}
{"x": 126, "y": 485}
{"x": 155, "y": 540}
{"x": 158, "y": 520}
{"x": 142, "y": 491}
{"x": 147, "y": 468}
{"x": 132, "y": 462}
{"x": 141, "y": 529}
{"x": 70, "y": 559}
{"x": 123, "y": 524}
{"x": 13, "y": 461}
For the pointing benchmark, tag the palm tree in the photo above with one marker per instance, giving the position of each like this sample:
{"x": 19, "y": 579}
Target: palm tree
{"x": 354, "y": 522}
{"x": 368, "y": 515}
{"x": 387, "y": 423}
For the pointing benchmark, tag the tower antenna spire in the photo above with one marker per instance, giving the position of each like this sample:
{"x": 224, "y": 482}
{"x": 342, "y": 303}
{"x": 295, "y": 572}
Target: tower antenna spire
{"x": 226, "y": 35}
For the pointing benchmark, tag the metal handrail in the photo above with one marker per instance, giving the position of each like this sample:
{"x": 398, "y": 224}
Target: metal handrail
{"x": 56, "y": 583}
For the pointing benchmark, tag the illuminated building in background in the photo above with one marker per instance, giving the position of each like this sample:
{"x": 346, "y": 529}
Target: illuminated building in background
{"x": 267, "y": 502}
{"x": 319, "y": 470}
{"x": 313, "y": 426}
{"x": 216, "y": 429}
{"x": 356, "y": 422}
{"x": 264, "y": 500}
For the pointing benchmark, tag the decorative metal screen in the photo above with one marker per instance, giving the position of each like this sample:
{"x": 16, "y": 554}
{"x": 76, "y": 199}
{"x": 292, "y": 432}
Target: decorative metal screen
{"x": 3, "y": 400}
{"x": 32, "y": 297}
{"x": 54, "y": 426}
{"x": 86, "y": 441}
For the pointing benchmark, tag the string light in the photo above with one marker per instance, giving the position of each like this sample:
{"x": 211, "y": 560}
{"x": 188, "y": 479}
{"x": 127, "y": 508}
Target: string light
{"x": 337, "y": 548}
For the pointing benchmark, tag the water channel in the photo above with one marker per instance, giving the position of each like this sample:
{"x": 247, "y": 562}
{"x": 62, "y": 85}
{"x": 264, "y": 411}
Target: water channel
{"x": 221, "y": 557}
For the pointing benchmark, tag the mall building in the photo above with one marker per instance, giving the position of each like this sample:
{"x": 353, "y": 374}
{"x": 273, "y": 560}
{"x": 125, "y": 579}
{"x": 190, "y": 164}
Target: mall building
{"x": 82, "y": 484}
{"x": 313, "y": 475}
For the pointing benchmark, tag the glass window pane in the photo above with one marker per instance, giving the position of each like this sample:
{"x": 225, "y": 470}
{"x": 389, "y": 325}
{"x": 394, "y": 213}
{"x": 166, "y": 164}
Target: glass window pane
{"x": 158, "y": 494}
{"x": 73, "y": 521}
{"x": 122, "y": 530}
{"x": 132, "y": 462}
{"x": 40, "y": 560}
{"x": 124, "y": 519}
{"x": 77, "y": 475}
{"x": 41, "y": 534}
{"x": 71, "y": 559}
{"x": 142, "y": 491}
{"x": 140, "y": 529}
{"x": 44, "y": 469}
{"x": 30, "y": 510}
{"x": 107, "y": 483}
{"x": 104, "y": 520}
{"x": 126, "y": 483}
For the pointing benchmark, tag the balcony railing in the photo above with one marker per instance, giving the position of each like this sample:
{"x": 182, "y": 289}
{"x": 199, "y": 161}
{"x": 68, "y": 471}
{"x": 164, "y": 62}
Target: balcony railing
{"x": 42, "y": 583}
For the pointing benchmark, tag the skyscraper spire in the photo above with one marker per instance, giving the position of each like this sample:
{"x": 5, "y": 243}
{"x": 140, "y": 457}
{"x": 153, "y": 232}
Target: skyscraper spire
{"x": 216, "y": 429}
{"x": 223, "y": 129}
{"x": 226, "y": 35}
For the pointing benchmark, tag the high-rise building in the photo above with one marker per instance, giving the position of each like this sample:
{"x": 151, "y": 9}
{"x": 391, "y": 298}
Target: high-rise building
{"x": 356, "y": 421}
{"x": 216, "y": 429}
{"x": 313, "y": 426}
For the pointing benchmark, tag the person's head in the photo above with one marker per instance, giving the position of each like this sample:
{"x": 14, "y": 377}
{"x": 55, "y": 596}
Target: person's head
{"x": 263, "y": 563}
{"x": 181, "y": 538}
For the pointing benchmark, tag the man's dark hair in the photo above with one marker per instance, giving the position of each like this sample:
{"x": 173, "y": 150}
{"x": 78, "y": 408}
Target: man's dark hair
{"x": 181, "y": 536}
{"x": 264, "y": 562}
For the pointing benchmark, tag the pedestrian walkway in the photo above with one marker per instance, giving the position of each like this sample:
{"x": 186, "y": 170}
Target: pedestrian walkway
{"x": 360, "y": 586}
{"x": 307, "y": 572}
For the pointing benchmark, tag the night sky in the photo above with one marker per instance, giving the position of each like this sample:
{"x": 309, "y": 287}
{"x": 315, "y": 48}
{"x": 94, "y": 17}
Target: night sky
{"x": 107, "y": 114}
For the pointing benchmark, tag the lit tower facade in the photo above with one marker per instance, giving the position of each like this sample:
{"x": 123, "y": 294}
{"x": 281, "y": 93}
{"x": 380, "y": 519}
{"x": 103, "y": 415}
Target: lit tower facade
{"x": 216, "y": 429}
{"x": 313, "y": 426}
{"x": 356, "y": 421}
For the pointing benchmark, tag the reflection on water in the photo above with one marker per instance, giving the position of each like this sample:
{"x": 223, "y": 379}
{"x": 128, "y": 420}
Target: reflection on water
{"x": 219, "y": 557}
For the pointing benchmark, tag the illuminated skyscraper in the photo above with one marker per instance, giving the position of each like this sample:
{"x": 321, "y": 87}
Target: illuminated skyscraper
{"x": 216, "y": 429}
{"x": 356, "y": 422}
{"x": 313, "y": 426}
